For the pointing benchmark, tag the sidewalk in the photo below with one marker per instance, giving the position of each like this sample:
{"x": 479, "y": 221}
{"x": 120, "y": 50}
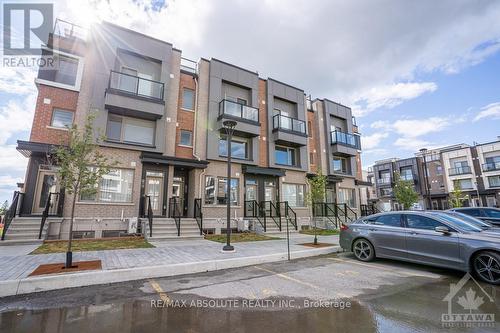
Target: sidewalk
{"x": 169, "y": 258}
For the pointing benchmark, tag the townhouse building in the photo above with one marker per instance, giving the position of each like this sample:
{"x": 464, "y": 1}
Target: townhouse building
{"x": 160, "y": 118}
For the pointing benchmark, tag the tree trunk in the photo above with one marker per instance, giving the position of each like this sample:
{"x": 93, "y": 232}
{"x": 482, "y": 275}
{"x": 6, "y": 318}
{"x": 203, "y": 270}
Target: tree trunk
{"x": 69, "y": 254}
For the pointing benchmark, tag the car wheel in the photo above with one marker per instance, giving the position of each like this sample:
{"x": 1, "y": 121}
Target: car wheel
{"x": 363, "y": 250}
{"x": 486, "y": 266}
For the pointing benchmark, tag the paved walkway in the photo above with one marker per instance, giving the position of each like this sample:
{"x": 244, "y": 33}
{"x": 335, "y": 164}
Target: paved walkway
{"x": 166, "y": 253}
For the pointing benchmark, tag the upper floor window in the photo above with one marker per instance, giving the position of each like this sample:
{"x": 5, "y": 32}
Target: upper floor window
{"x": 494, "y": 181}
{"x": 309, "y": 128}
{"x": 463, "y": 184}
{"x": 130, "y": 130}
{"x": 239, "y": 148}
{"x": 285, "y": 156}
{"x": 339, "y": 164}
{"x": 406, "y": 173}
{"x": 62, "y": 118}
{"x": 186, "y": 138}
{"x": 66, "y": 73}
{"x": 187, "y": 99}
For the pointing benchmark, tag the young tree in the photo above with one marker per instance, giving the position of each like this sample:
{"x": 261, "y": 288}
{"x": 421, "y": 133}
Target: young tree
{"x": 4, "y": 208}
{"x": 81, "y": 167}
{"x": 456, "y": 196}
{"x": 404, "y": 192}
{"x": 316, "y": 194}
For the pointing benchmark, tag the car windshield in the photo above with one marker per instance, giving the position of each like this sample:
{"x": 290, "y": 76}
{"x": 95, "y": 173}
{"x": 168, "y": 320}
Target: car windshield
{"x": 470, "y": 220}
{"x": 458, "y": 222}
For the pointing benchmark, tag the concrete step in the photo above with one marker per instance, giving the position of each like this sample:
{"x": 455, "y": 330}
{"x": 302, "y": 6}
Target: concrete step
{"x": 25, "y": 236}
{"x": 174, "y": 238}
{"x": 8, "y": 242}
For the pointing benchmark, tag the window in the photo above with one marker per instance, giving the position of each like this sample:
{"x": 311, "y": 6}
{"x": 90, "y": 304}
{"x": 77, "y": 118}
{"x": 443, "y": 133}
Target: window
{"x": 386, "y": 191}
{"x": 130, "y": 130}
{"x": 186, "y": 138}
{"x": 294, "y": 194}
{"x": 492, "y": 213}
{"x": 347, "y": 196}
{"x": 439, "y": 170}
{"x": 385, "y": 177}
{"x": 311, "y": 158}
{"x": 187, "y": 99}
{"x": 115, "y": 186}
{"x": 471, "y": 212}
{"x": 62, "y": 118}
{"x": 339, "y": 164}
{"x": 422, "y": 222}
{"x": 239, "y": 148}
{"x": 494, "y": 181}
{"x": 463, "y": 184}
{"x": 285, "y": 156}
{"x": 390, "y": 220}
{"x": 309, "y": 129}
{"x": 406, "y": 173}
{"x": 66, "y": 72}
{"x": 218, "y": 197}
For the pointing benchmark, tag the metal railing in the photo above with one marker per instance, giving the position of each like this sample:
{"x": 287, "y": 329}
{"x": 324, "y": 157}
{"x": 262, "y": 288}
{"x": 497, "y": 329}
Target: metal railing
{"x": 11, "y": 213}
{"x": 52, "y": 208}
{"x": 67, "y": 29}
{"x": 493, "y": 166}
{"x": 346, "y": 139}
{"x": 384, "y": 181}
{"x": 136, "y": 85}
{"x": 189, "y": 65}
{"x": 237, "y": 110}
{"x": 290, "y": 214}
{"x": 175, "y": 212}
{"x": 289, "y": 124}
{"x": 269, "y": 209}
{"x": 326, "y": 210}
{"x": 459, "y": 170}
{"x": 149, "y": 214}
{"x": 254, "y": 210}
{"x": 368, "y": 210}
{"x": 198, "y": 214}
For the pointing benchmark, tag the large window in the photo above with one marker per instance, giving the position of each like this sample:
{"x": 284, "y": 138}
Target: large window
{"x": 294, "y": 194}
{"x": 494, "y": 181}
{"x": 239, "y": 148}
{"x": 285, "y": 156}
{"x": 130, "y": 130}
{"x": 115, "y": 186}
{"x": 339, "y": 164}
{"x": 187, "y": 99}
{"x": 61, "y": 118}
{"x": 390, "y": 220}
{"x": 66, "y": 71}
{"x": 216, "y": 190}
{"x": 347, "y": 196}
{"x": 422, "y": 222}
{"x": 463, "y": 184}
{"x": 406, "y": 173}
{"x": 186, "y": 138}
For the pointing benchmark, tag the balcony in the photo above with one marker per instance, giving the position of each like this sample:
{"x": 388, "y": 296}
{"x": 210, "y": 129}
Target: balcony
{"x": 345, "y": 143}
{"x": 384, "y": 181}
{"x": 135, "y": 96}
{"x": 494, "y": 166}
{"x": 459, "y": 171}
{"x": 289, "y": 130}
{"x": 246, "y": 116}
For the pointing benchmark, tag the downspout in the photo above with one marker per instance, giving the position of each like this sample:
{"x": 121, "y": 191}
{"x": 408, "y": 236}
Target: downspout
{"x": 194, "y": 134}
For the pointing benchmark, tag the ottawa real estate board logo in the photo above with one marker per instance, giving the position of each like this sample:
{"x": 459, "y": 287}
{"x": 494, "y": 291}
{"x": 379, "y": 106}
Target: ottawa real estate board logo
{"x": 465, "y": 301}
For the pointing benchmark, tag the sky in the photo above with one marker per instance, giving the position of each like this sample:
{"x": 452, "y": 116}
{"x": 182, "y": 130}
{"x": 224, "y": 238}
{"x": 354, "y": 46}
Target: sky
{"x": 416, "y": 73}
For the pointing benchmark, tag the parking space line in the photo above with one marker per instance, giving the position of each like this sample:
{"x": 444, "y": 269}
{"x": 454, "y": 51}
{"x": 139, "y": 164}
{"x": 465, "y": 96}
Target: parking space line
{"x": 391, "y": 270}
{"x": 160, "y": 291}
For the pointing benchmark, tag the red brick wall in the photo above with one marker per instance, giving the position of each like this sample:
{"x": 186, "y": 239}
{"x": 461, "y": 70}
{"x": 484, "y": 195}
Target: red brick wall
{"x": 312, "y": 131}
{"x": 60, "y": 99}
{"x": 185, "y": 119}
{"x": 263, "y": 148}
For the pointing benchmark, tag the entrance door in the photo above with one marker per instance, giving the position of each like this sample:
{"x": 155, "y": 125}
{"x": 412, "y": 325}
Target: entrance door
{"x": 154, "y": 189}
{"x": 270, "y": 191}
{"x": 330, "y": 195}
{"x": 179, "y": 189}
{"x": 46, "y": 184}
{"x": 251, "y": 193}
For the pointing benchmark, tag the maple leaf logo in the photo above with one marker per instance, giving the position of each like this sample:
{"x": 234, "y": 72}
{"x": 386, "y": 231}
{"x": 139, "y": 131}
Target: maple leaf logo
{"x": 470, "y": 301}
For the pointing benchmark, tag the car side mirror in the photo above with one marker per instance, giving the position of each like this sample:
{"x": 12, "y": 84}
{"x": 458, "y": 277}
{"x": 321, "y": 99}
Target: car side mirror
{"x": 442, "y": 230}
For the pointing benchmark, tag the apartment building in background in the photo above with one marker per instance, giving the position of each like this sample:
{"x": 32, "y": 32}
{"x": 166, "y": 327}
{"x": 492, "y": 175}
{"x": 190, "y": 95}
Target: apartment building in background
{"x": 161, "y": 117}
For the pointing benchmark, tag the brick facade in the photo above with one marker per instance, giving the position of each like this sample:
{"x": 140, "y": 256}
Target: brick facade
{"x": 185, "y": 118}
{"x": 263, "y": 145}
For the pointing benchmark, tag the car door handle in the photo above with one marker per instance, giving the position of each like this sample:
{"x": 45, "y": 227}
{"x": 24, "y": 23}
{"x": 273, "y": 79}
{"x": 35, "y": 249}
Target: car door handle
{"x": 413, "y": 233}
{"x": 373, "y": 229}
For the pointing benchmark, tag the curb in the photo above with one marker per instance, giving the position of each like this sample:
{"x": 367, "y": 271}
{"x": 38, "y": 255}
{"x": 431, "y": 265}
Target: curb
{"x": 72, "y": 280}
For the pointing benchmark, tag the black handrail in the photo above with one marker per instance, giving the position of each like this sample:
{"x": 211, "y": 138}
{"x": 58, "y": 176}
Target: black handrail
{"x": 49, "y": 210}
{"x": 295, "y": 125}
{"x": 157, "y": 87}
{"x": 242, "y": 111}
{"x": 268, "y": 212}
{"x": 11, "y": 212}
{"x": 292, "y": 218}
{"x": 255, "y": 210}
{"x": 149, "y": 214}
{"x": 346, "y": 139}
{"x": 175, "y": 213}
{"x": 369, "y": 209}
{"x": 460, "y": 170}
{"x": 198, "y": 214}
{"x": 491, "y": 166}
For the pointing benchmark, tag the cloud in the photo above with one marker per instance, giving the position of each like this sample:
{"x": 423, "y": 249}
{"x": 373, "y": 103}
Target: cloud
{"x": 489, "y": 111}
{"x": 389, "y": 96}
{"x": 16, "y": 116}
{"x": 371, "y": 141}
{"x": 411, "y": 144}
{"x": 17, "y": 80}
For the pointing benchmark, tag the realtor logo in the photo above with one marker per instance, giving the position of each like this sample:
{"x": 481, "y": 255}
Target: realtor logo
{"x": 25, "y": 27}
{"x": 464, "y": 301}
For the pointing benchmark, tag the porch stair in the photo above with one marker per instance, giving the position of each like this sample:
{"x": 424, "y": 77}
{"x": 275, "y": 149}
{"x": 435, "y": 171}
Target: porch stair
{"x": 24, "y": 230}
{"x": 165, "y": 229}
{"x": 271, "y": 227}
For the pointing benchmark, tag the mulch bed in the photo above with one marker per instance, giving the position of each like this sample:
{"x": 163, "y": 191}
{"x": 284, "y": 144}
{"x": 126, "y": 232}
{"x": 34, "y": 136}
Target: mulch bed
{"x": 317, "y": 245}
{"x": 59, "y": 268}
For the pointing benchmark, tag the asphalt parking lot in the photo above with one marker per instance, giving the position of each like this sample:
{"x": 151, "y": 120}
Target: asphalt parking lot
{"x": 320, "y": 294}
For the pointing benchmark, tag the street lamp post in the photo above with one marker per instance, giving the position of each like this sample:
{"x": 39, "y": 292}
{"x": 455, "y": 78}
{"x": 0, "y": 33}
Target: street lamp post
{"x": 229, "y": 126}
{"x": 426, "y": 179}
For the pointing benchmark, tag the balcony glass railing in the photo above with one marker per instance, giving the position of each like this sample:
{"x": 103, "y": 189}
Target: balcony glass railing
{"x": 384, "y": 181}
{"x": 136, "y": 85}
{"x": 407, "y": 177}
{"x": 491, "y": 166}
{"x": 289, "y": 124}
{"x": 345, "y": 139}
{"x": 237, "y": 110}
{"x": 459, "y": 170}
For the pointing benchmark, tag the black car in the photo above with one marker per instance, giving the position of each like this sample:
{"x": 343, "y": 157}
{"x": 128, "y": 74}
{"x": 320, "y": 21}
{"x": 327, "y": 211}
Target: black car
{"x": 488, "y": 214}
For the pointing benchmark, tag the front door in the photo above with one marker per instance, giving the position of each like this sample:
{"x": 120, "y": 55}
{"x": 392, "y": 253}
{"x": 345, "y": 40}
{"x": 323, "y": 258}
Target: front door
{"x": 179, "y": 189}
{"x": 154, "y": 189}
{"x": 46, "y": 184}
{"x": 251, "y": 194}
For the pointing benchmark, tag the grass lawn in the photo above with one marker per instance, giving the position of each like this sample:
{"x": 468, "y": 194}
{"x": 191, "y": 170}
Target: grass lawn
{"x": 93, "y": 245}
{"x": 320, "y": 232}
{"x": 237, "y": 238}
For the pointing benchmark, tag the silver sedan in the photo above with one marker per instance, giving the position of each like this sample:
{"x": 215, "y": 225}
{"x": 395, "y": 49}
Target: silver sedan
{"x": 432, "y": 238}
